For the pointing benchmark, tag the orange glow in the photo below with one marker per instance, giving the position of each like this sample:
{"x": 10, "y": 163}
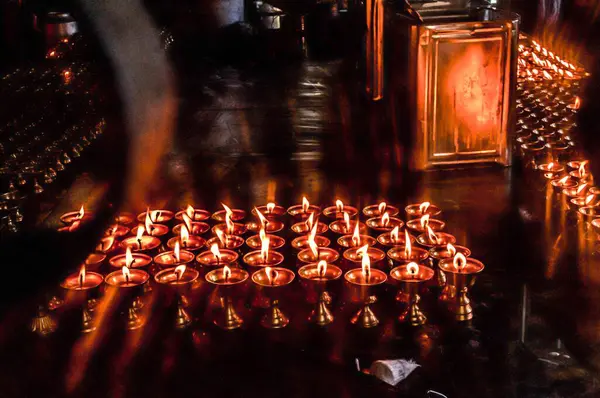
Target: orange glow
{"x": 425, "y": 221}
{"x": 310, "y": 221}
{"x": 589, "y": 199}
{"x": 563, "y": 180}
{"x": 228, "y": 211}
{"x": 271, "y": 275}
{"x": 187, "y": 220}
{"x": 180, "y": 270}
{"x": 569, "y": 73}
{"x": 347, "y": 221}
{"x": 52, "y": 53}
{"x": 581, "y": 188}
{"x": 140, "y": 232}
{"x": 431, "y": 235}
{"x": 270, "y": 207}
{"x": 264, "y": 249}
{"x": 394, "y": 234}
{"x": 547, "y": 75}
{"x": 550, "y": 165}
{"x": 423, "y": 207}
{"x": 184, "y": 236}
{"x": 230, "y": 224}
{"x": 577, "y": 103}
{"x": 126, "y": 273}
{"x": 82, "y": 275}
{"x": 177, "y": 251}
{"x": 322, "y": 268}
{"x": 459, "y": 262}
{"x": 385, "y": 219}
{"x": 356, "y": 236}
{"x": 263, "y": 220}
{"x": 305, "y": 204}
{"x": 128, "y": 257}
{"x": 189, "y": 211}
{"x": 226, "y": 273}
{"x": 451, "y": 249}
{"x": 366, "y": 261}
{"x": 148, "y": 224}
{"x": 81, "y": 213}
{"x": 339, "y": 206}
{"x": 382, "y": 206}
{"x": 214, "y": 248}
{"x": 412, "y": 268}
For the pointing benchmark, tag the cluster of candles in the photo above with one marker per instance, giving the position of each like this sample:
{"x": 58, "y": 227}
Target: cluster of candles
{"x": 175, "y": 249}
{"x": 546, "y": 110}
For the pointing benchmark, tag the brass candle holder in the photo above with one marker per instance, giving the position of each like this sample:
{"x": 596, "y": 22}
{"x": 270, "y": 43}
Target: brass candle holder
{"x": 461, "y": 273}
{"x": 255, "y": 242}
{"x": 393, "y": 238}
{"x": 304, "y": 227}
{"x": 216, "y": 257}
{"x": 151, "y": 228}
{"x": 301, "y": 242}
{"x": 117, "y": 230}
{"x": 419, "y": 225}
{"x": 194, "y": 227}
{"x": 271, "y": 210}
{"x": 193, "y": 213}
{"x": 418, "y": 210}
{"x": 186, "y": 241}
{"x": 384, "y": 223}
{"x": 129, "y": 282}
{"x": 551, "y": 170}
{"x": 107, "y": 244}
{"x": 337, "y": 211}
{"x": 365, "y": 278}
{"x": 180, "y": 279}
{"x": 268, "y": 224}
{"x": 411, "y": 277}
{"x": 432, "y": 239}
{"x": 227, "y": 212}
{"x": 263, "y": 257}
{"x": 564, "y": 182}
{"x": 75, "y": 216}
{"x": 224, "y": 241}
{"x": 79, "y": 286}
{"x": 345, "y": 226}
{"x": 355, "y": 255}
{"x": 156, "y": 216}
{"x": 378, "y": 210}
{"x": 304, "y": 211}
{"x": 356, "y": 239}
{"x": 226, "y": 279}
{"x": 314, "y": 254}
{"x": 173, "y": 258}
{"x": 230, "y": 228}
{"x": 130, "y": 260}
{"x": 439, "y": 253}
{"x": 140, "y": 242}
{"x": 580, "y": 201}
{"x": 317, "y": 275}
{"x": 94, "y": 260}
{"x": 125, "y": 218}
{"x": 271, "y": 279}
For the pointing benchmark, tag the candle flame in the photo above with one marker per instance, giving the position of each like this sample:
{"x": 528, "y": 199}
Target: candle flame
{"x": 589, "y": 199}
{"x": 184, "y": 235}
{"x": 264, "y": 248}
{"x": 305, "y": 204}
{"x": 155, "y": 215}
{"x": 385, "y": 219}
{"x": 407, "y": 245}
{"x": 214, "y": 248}
{"x": 177, "y": 252}
{"x": 263, "y": 220}
{"x": 563, "y": 180}
{"x": 313, "y": 247}
{"x": 394, "y": 237}
{"x": 382, "y": 207}
{"x": 140, "y": 232}
{"x": 550, "y": 165}
{"x": 339, "y": 205}
{"x": 582, "y": 169}
{"x": 148, "y": 224}
{"x": 222, "y": 238}
{"x": 451, "y": 249}
{"x": 189, "y": 211}
{"x": 423, "y": 207}
{"x": 81, "y": 213}
{"x": 365, "y": 260}
{"x": 271, "y": 275}
{"x": 229, "y": 223}
{"x": 128, "y": 257}
{"x": 226, "y": 273}
{"x": 322, "y": 268}
{"x": 347, "y": 222}
{"x": 270, "y": 207}
{"x": 82, "y": 275}
{"x": 313, "y": 233}
{"x": 577, "y": 103}
{"x": 459, "y": 262}
{"x": 356, "y": 236}
{"x": 126, "y": 273}
{"x": 228, "y": 211}
{"x": 187, "y": 220}
{"x": 309, "y": 223}
{"x": 108, "y": 242}
{"x": 425, "y": 221}
{"x": 179, "y": 271}
{"x": 581, "y": 188}
{"x": 432, "y": 236}
{"x": 412, "y": 268}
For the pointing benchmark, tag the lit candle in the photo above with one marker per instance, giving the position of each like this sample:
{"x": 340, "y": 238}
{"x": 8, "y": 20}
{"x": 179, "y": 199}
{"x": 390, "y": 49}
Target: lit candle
{"x": 227, "y": 276}
{"x": 420, "y": 209}
{"x": 319, "y": 272}
{"x": 420, "y": 224}
{"x": 255, "y": 242}
{"x": 271, "y": 210}
{"x": 186, "y": 241}
{"x": 193, "y": 214}
{"x": 304, "y": 210}
{"x": 174, "y": 257}
{"x": 314, "y": 253}
{"x": 75, "y": 216}
{"x": 384, "y": 223}
{"x": 227, "y": 212}
{"x": 130, "y": 260}
{"x": 270, "y": 225}
{"x": 338, "y": 211}
{"x": 407, "y": 254}
{"x": 193, "y": 227}
{"x": 263, "y": 257}
{"x": 181, "y": 275}
{"x": 216, "y": 257}
{"x": 365, "y": 275}
{"x": 431, "y": 238}
{"x": 305, "y": 227}
{"x": 127, "y": 278}
{"x": 345, "y": 225}
{"x": 230, "y": 227}
{"x": 224, "y": 241}
{"x": 356, "y": 239}
{"x": 356, "y": 254}
{"x": 379, "y": 209}
{"x": 156, "y": 216}
{"x": 301, "y": 242}
{"x": 394, "y": 238}
{"x": 150, "y": 228}
{"x": 82, "y": 280}
{"x": 141, "y": 242}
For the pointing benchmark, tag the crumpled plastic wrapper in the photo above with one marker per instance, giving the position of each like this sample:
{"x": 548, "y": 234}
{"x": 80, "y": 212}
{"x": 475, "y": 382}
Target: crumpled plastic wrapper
{"x": 393, "y": 371}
